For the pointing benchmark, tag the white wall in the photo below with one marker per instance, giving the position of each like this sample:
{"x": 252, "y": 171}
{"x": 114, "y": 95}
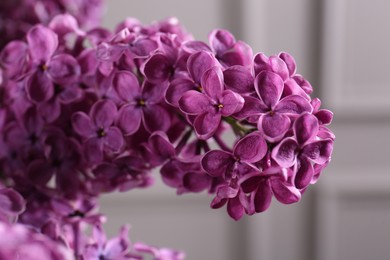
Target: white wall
{"x": 342, "y": 47}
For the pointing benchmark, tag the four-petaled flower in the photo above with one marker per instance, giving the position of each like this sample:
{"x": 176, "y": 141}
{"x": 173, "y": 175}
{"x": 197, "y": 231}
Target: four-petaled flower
{"x": 302, "y": 149}
{"x": 212, "y": 104}
{"x": 98, "y": 131}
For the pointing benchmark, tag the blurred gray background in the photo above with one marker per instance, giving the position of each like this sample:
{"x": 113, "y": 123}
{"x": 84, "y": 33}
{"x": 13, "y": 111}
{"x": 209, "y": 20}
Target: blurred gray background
{"x": 342, "y": 47}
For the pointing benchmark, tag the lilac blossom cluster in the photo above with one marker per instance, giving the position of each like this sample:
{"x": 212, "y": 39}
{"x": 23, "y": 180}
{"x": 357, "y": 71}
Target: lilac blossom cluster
{"x": 18, "y": 16}
{"x": 87, "y": 112}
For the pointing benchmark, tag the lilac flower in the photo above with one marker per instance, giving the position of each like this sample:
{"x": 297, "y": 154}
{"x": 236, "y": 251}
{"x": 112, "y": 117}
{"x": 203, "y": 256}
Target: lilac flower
{"x": 302, "y": 149}
{"x": 159, "y": 253}
{"x": 98, "y": 131}
{"x": 62, "y": 161}
{"x": 274, "y": 113}
{"x": 100, "y": 248}
{"x": 232, "y": 166}
{"x": 160, "y": 66}
{"x": 272, "y": 181}
{"x": 197, "y": 64}
{"x": 284, "y": 65}
{"x": 229, "y": 51}
{"x": 26, "y": 137}
{"x": 11, "y": 204}
{"x": 19, "y": 242}
{"x": 248, "y": 150}
{"x": 47, "y": 68}
{"x": 209, "y": 107}
{"x": 17, "y": 17}
{"x": 186, "y": 175}
{"x": 124, "y": 172}
{"x": 140, "y": 105}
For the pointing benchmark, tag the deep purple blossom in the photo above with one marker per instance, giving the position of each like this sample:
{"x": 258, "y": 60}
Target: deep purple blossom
{"x": 47, "y": 67}
{"x": 271, "y": 181}
{"x": 19, "y": 242}
{"x": 140, "y": 104}
{"x": 211, "y": 105}
{"x": 232, "y": 167}
{"x": 197, "y": 64}
{"x": 86, "y": 112}
{"x": 101, "y": 248}
{"x": 11, "y": 204}
{"x": 98, "y": 131}
{"x": 274, "y": 113}
{"x": 303, "y": 149}
{"x": 229, "y": 51}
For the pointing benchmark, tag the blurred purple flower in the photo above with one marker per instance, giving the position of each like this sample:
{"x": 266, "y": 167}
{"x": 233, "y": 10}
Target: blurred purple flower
{"x": 97, "y": 130}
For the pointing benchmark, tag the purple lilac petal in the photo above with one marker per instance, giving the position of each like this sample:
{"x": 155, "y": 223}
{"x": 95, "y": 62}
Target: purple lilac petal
{"x": 324, "y": 116}
{"x": 158, "y": 68}
{"x": 194, "y": 103}
{"x": 153, "y": 93}
{"x": 129, "y": 119}
{"x": 50, "y": 110}
{"x": 93, "y": 150}
{"x": 304, "y": 173}
{"x": 261, "y": 63}
{"x": 142, "y": 47}
{"x": 126, "y": 85}
{"x": 216, "y": 162}
{"x": 83, "y": 125}
{"x": 240, "y": 54}
{"x": 303, "y": 83}
{"x": 212, "y": 82}
{"x": 42, "y": 42}
{"x": 251, "y": 148}
{"x": 196, "y": 181}
{"x": 103, "y": 113}
{"x": 195, "y": 46}
{"x": 285, "y": 152}
{"x": 318, "y": 151}
{"x": 39, "y": 87}
{"x": 250, "y": 182}
{"x": 63, "y": 24}
{"x": 274, "y": 127}
{"x": 232, "y": 103}
{"x": 221, "y": 41}
{"x": 252, "y": 106}
{"x": 156, "y": 118}
{"x": 12, "y": 58}
{"x": 113, "y": 139}
{"x": 176, "y": 89}
{"x": 39, "y": 172}
{"x": 305, "y": 128}
{"x": 227, "y": 191}
{"x": 161, "y": 145}
{"x": 239, "y": 79}
{"x": 235, "y": 209}
{"x": 206, "y": 125}
{"x": 263, "y": 196}
{"x": 70, "y": 94}
{"x": 284, "y": 192}
{"x": 293, "y": 105}
{"x": 279, "y": 67}
{"x": 269, "y": 87}
{"x": 200, "y": 62}
{"x": 292, "y": 88}
{"x": 11, "y": 202}
{"x": 289, "y": 61}
{"x": 63, "y": 69}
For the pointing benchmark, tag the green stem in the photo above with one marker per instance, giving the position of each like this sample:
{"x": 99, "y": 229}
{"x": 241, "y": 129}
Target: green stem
{"x": 238, "y": 128}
